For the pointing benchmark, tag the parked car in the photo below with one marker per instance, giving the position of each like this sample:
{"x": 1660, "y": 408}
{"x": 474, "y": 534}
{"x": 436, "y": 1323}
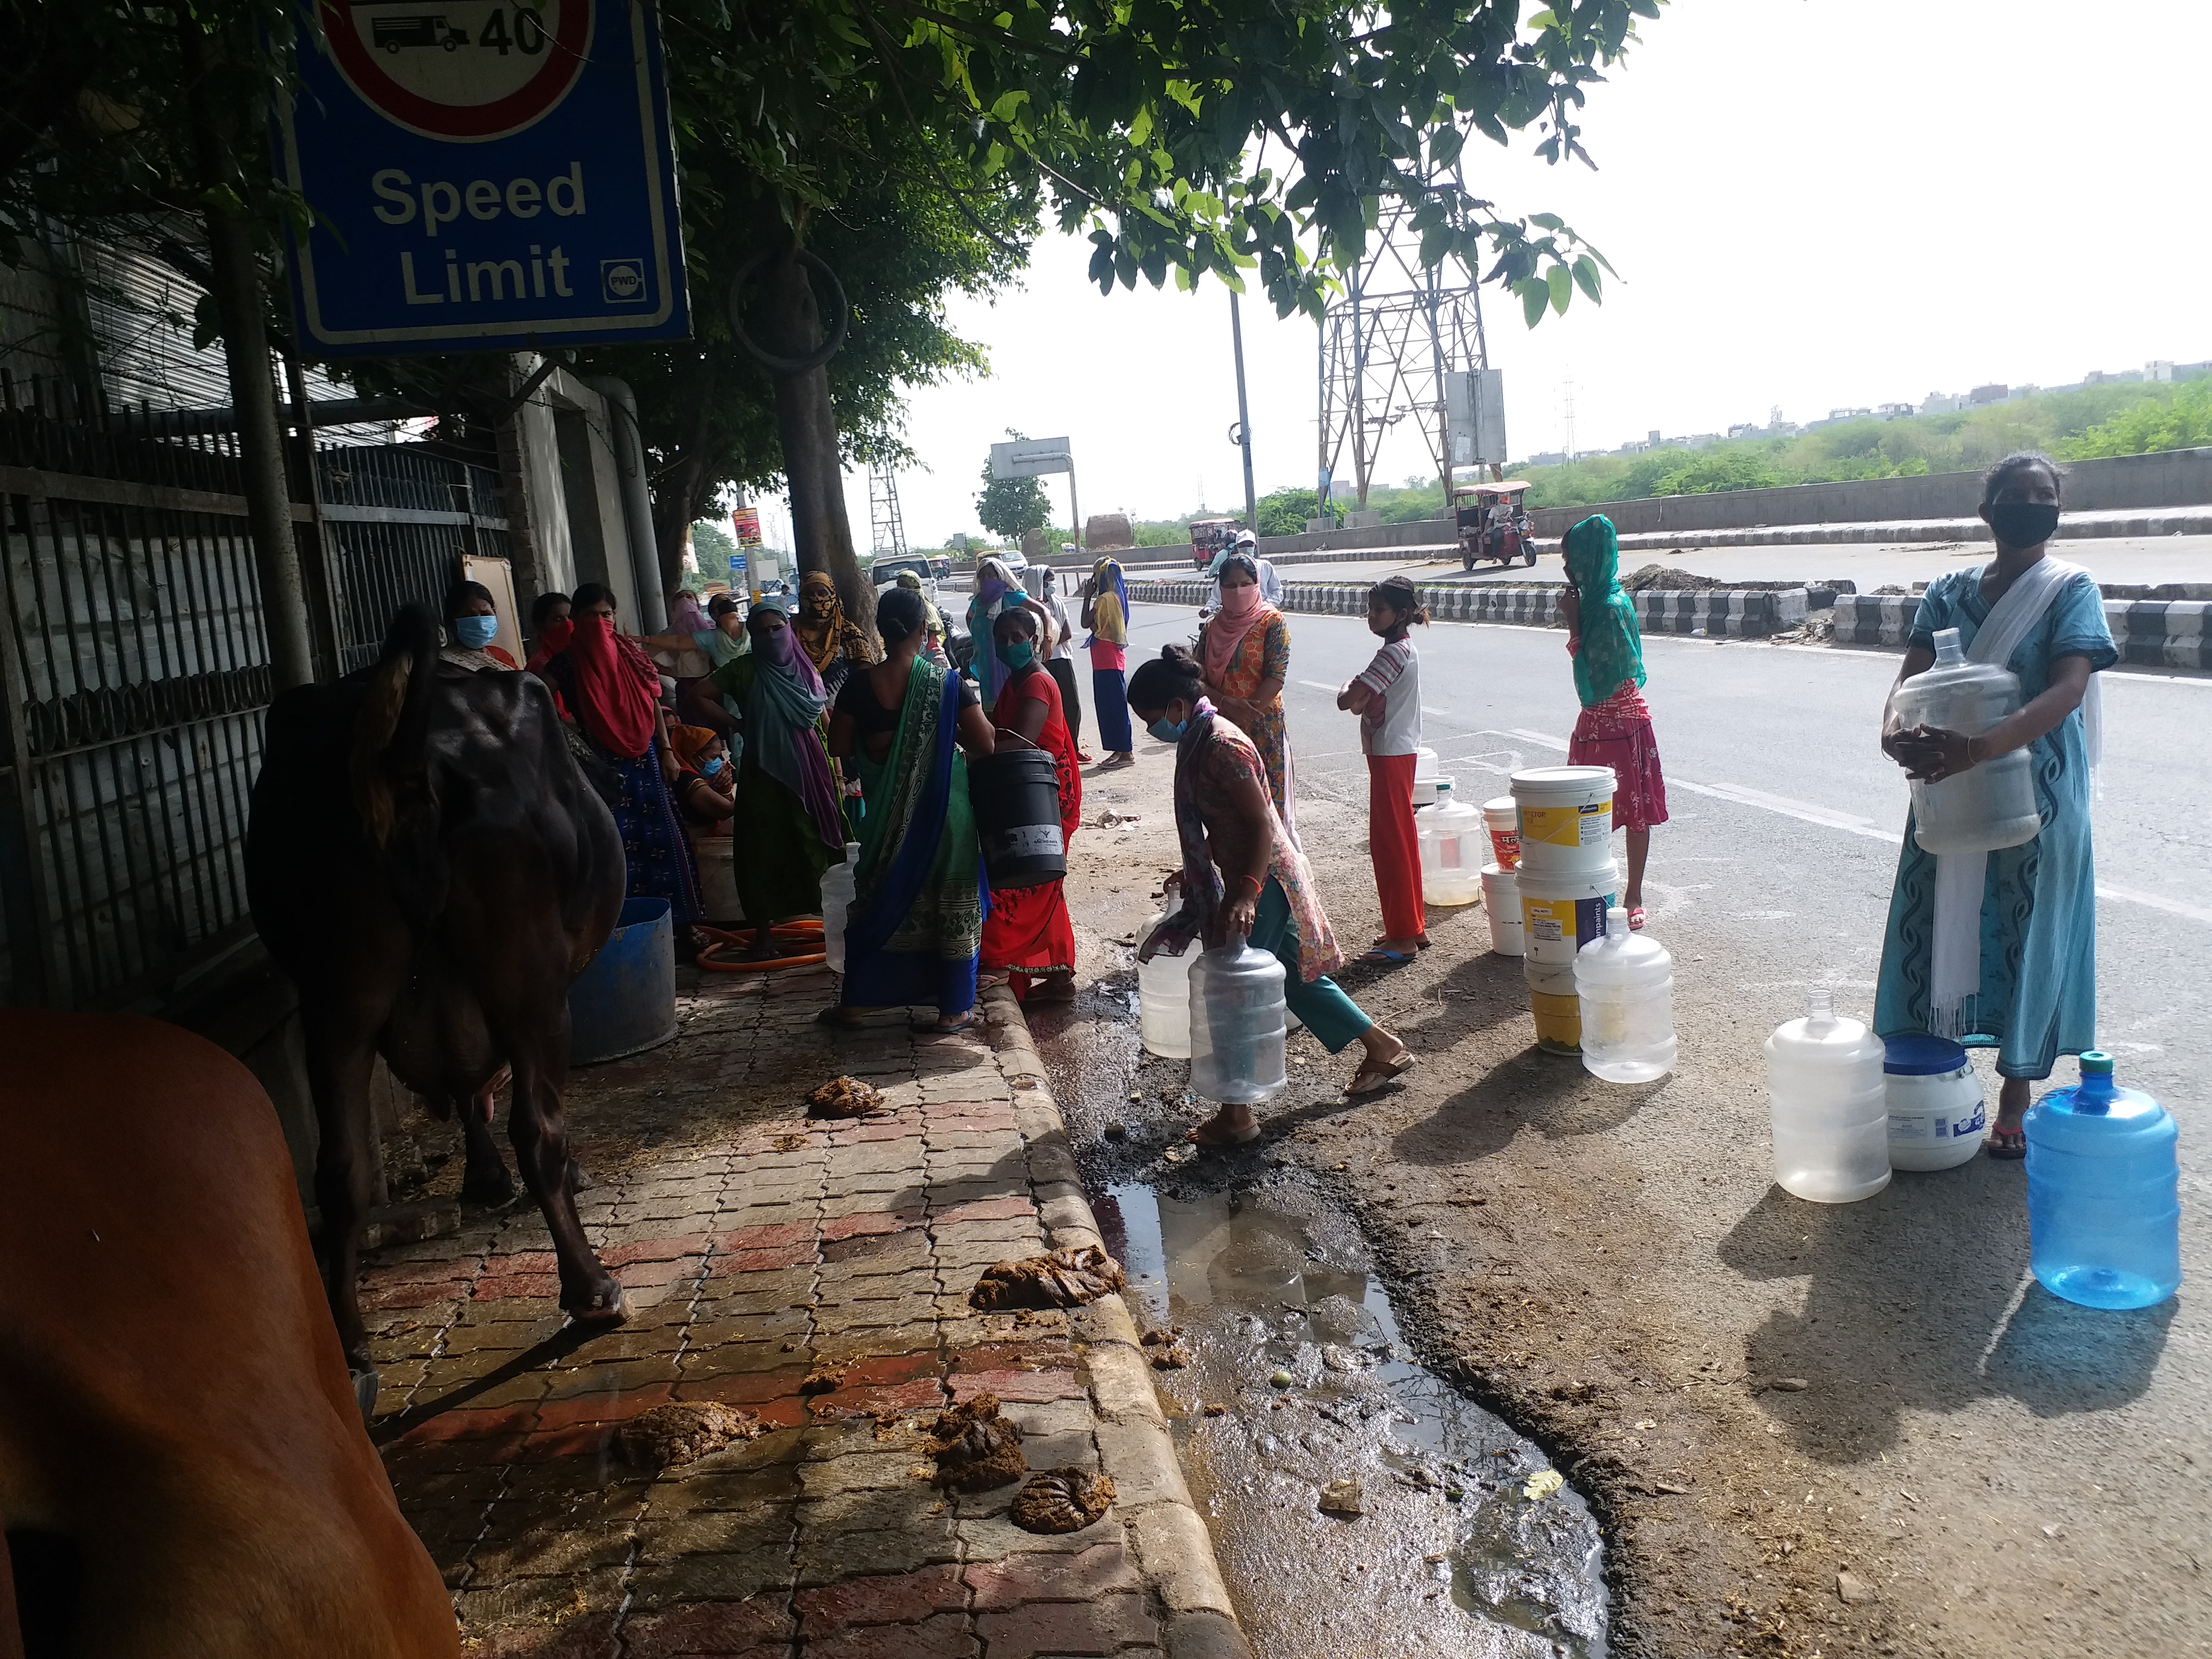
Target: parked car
{"x": 884, "y": 572}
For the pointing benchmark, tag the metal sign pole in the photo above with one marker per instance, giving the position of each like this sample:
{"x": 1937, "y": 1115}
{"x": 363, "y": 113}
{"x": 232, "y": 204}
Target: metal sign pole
{"x": 1243, "y": 418}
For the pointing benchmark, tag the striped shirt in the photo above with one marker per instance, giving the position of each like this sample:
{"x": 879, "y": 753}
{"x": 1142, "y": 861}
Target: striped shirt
{"x": 1392, "y": 724}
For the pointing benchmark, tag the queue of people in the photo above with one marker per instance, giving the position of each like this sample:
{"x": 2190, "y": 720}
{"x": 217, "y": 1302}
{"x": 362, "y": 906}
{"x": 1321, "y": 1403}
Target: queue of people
{"x": 799, "y": 739}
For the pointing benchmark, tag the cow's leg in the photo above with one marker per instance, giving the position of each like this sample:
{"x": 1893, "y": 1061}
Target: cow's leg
{"x": 484, "y": 1179}
{"x": 588, "y": 1292}
{"x": 340, "y": 1055}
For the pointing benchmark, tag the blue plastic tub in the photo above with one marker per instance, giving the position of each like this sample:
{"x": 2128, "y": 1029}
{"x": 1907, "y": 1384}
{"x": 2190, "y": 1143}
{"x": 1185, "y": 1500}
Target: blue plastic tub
{"x": 625, "y": 1002}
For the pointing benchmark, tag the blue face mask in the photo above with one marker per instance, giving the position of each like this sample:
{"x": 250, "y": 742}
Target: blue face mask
{"x": 710, "y": 768}
{"x": 1169, "y": 732}
{"x": 1019, "y": 654}
{"x": 475, "y": 632}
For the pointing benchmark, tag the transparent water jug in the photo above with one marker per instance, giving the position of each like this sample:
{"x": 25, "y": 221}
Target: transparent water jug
{"x": 1831, "y": 1111}
{"x": 836, "y": 899}
{"x": 1163, "y": 997}
{"x": 1986, "y": 806}
{"x": 1455, "y": 846}
{"x": 1237, "y": 1025}
{"x": 2104, "y": 1210}
{"x": 1625, "y": 983}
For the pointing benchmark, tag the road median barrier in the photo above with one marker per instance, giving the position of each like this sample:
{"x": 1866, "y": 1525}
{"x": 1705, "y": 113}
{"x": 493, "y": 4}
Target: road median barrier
{"x": 2149, "y": 633}
{"x": 1721, "y": 612}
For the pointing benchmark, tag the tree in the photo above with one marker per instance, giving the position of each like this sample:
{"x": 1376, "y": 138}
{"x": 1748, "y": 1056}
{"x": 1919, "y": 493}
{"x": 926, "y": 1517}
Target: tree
{"x": 1285, "y": 512}
{"x": 711, "y": 546}
{"x": 1007, "y": 506}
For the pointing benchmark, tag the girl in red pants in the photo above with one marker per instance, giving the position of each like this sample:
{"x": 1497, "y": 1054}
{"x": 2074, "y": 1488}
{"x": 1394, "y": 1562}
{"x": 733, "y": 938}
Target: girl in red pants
{"x": 1386, "y": 695}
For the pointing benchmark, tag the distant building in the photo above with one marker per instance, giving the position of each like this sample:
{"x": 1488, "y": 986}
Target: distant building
{"x": 1704, "y": 441}
{"x": 1549, "y": 458}
{"x": 1893, "y": 412}
{"x": 1744, "y": 429}
{"x": 1942, "y": 403}
{"x": 2160, "y": 369}
{"x": 1989, "y": 394}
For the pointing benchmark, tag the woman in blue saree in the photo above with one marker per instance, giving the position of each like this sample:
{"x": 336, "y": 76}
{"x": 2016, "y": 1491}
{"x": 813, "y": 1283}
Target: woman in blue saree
{"x": 2020, "y": 976}
{"x": 916, "y": 926}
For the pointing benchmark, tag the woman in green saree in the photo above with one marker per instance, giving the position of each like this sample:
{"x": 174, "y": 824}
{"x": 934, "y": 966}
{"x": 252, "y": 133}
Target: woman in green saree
{"x": 916, "y": 921}
{"x": 787, "y": 828}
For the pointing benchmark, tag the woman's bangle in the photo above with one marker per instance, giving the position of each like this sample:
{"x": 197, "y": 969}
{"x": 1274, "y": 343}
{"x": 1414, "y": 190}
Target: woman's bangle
{"x": 1253, "y": 882}
{"x": 1972, "y": 759}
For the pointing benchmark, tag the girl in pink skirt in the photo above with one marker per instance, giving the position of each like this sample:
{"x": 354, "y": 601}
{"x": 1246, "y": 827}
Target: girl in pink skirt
{"x": 1615, "y": 728}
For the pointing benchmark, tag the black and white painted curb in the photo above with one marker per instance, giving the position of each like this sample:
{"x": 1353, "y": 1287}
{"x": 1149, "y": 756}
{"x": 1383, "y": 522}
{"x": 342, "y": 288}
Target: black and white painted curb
{"x": 2149, "y": 633}
{"x": 1733, "y": 613}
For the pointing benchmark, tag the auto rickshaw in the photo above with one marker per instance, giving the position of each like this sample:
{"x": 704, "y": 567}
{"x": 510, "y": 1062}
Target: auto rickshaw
{"x": 1209, "y": 536}
{"x": 1493, "y": 525}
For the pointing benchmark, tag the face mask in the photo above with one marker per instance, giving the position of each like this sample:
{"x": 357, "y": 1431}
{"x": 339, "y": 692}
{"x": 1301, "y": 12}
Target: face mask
{"x": 1020, "y": 655}
{"x": 2023, "y": 523}
{"x": 1240, "y": 601}
{"x": 711, "y": 767}
{"x": 1167, "y": 731}
{"x": 776, "y": 645}
{"x": 992, "y": 589}
{"x": 475, "y": 632}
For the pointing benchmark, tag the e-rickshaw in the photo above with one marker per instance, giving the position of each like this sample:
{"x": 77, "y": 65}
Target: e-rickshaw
{"x": 1492, "y": 524}
{"x": 1208, "y": 536}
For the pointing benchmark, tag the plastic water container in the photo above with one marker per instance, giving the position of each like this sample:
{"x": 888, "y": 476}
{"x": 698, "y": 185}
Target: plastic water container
{"x": 1561, "y": 912}
{"x": 1501, "y": 903}
{"x": 1557, "y": 1006}
{"x": 1425, "y": 777}
{"x": 624, "y": 1001}
{"x": 1565, "y": 817}
{"x": 1453, "y": 842}
{"x": 1626, "y": 982}
{"x": 836, "y": 899}
{"x": 1987, "y": 806}
{"x": 1164, "y": 998}
{"x": 1831, "y": 1111}
{"x": 1503, "y": 818}
{"x": 2103, "y": 1208}
{"x": 1936, "y": 1117}
{"x": 1237, "y": 1025}
{"x": 1016, "y": 795}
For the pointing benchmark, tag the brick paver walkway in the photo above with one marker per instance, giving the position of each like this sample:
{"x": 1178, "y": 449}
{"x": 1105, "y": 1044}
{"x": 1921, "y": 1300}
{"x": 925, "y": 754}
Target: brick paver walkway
{"x": 754, "y": 1247}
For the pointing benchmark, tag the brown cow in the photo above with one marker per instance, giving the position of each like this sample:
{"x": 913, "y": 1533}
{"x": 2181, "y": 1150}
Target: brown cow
{"x": 183, "y": 1466}
{"x": 428, "y": 862}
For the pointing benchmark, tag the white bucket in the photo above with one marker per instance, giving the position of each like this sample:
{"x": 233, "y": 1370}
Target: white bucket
{"x": 1425, "y": 777}
{"x": 1561, "y": 911}
{"x": 1566, "y": 816}
{"x": 1501, "y": 903}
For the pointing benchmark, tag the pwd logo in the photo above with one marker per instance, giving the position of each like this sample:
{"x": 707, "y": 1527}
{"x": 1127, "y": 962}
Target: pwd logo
{"x": 622, "y": 282}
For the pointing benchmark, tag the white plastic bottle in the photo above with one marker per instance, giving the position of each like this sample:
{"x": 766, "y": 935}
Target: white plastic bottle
{"x": 1987, "y": 806}
{"x": 837, "y": 900}
{"x": 1831, "y": 1111}
{"x": 1454, "y": 842}
{"x": 1237, "y": 1025}
{"x": 1626, "y": 982}
{"x": 1163, "y": 997}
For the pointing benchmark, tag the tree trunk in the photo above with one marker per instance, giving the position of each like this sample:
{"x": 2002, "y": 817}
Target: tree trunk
{"x": 806, "y": 424}
{"x": 676, "y": 503}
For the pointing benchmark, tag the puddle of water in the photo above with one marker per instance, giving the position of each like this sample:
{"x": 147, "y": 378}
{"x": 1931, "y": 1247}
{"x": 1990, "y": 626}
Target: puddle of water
{"x": 1302, "y": 1360}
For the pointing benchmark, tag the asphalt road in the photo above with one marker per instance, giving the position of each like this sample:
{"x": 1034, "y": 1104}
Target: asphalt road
{"x": 2021, "y": 1477}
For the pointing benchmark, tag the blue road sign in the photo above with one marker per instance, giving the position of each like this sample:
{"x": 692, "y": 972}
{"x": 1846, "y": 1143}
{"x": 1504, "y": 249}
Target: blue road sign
{"x": 485, "y": 176}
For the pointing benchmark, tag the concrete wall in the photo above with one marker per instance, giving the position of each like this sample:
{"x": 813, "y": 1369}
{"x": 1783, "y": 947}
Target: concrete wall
{"x": 591, "y": 485}
{"x": 2180, "y": 478}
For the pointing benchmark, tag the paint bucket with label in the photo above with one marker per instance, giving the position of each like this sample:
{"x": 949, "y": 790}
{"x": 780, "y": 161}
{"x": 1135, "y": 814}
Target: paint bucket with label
{"x": 1502, "y": 819}
{"x": 1558, "y": 1009}
{"x": 1561, "y": 912}
{"x": 1501, "y": 903}
{"x": 1565, "y": 817}
{"x": 1937, "y": 1114}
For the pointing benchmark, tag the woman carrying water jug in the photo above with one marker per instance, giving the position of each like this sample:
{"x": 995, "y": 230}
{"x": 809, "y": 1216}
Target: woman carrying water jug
{"x": 2007, "y": 960}
{"x": 1241, "y": 873}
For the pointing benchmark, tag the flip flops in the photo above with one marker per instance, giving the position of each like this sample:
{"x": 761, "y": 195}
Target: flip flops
{"x": 1221, "y": 1136}
{"x": 2007, "y": 1144}
{"x": 1370, "y": 1077}
{"x": 1382, "y": 958}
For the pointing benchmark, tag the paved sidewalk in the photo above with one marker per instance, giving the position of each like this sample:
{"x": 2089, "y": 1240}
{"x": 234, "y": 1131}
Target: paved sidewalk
{"x": 753, "y": 1248}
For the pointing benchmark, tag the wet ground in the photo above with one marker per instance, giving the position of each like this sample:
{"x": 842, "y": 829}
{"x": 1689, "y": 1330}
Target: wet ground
{"x": 1466, "y": 1543}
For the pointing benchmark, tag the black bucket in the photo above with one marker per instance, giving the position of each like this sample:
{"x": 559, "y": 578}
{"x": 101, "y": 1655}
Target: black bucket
{"x": 1016, "y": 794}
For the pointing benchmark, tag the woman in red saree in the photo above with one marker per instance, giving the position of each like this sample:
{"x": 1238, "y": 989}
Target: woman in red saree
{"x": 1028, "y": 937}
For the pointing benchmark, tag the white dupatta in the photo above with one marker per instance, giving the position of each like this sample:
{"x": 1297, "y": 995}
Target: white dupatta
{"x": 1954, "y": 969}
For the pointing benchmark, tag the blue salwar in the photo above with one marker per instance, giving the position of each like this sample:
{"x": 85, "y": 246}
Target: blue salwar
{"x": 2038, "y": 925}
{"x": 1109, "y": 691}
{"x": 654, "y": 847}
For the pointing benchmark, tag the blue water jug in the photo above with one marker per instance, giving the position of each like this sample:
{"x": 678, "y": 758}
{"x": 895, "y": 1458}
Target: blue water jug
{"x": 2104, "y": 1203}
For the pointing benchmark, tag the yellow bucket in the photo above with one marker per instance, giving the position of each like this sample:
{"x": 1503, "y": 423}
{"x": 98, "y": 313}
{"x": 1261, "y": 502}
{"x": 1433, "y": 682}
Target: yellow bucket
{"x": 1559, "y": 1022}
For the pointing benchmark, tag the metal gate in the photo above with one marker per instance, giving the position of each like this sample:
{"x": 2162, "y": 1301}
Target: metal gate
{"x": 133, "y": 674}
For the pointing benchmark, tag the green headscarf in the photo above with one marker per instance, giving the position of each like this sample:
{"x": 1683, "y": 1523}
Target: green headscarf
{"x": 1612, "y": 651}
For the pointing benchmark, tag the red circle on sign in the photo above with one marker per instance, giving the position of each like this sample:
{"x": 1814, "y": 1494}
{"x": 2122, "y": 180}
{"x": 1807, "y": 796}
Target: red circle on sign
{"x": 564, "y": 50}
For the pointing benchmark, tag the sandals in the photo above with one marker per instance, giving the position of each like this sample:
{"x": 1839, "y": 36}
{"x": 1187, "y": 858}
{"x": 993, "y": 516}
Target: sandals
{"x": 1378, "y": 957}
{"x": 1636, "y": 920}
{"x": 1370, "y": 1077}
{"x": 2006, "y": 1145}
{"x": 1201, "y": 1137}
{"x": 943, "y": 1028}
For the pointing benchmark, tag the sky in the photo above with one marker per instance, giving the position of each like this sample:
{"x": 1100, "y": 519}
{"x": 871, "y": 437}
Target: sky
{"x": 1812, "y": 203}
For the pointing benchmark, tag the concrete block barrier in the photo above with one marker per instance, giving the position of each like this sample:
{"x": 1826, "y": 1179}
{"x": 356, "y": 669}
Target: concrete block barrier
{"x": 2148, "y": 633}
{"x": 1732, "y": 613}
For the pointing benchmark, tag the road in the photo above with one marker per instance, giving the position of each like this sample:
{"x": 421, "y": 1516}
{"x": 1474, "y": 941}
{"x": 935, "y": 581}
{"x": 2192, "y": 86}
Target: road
{"x": 2013, "y": 1476}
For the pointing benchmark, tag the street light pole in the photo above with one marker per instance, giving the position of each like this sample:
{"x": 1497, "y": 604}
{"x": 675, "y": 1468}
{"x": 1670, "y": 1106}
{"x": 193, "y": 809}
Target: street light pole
{"x": 1243, "y": 418}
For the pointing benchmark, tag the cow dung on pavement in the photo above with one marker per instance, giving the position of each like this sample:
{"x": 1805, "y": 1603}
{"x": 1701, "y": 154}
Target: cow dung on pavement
{"x": 976, "y": 1448}
{"x": 668, "y": 1436}
{"x": 1062, "y": 1500}
{"x": 1065, "y": 1278}
{"x": 844, "y": 1096}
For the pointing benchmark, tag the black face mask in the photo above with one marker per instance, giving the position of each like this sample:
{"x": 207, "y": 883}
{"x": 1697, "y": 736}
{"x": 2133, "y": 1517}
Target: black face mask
{"x": 2023, "y": 523}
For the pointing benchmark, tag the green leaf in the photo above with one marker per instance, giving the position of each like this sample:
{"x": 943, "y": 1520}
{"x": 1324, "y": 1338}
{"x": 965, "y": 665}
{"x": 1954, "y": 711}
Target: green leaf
{"x": 1562, "y": 286}
{"x": 1586, "y": 278}
{"x": 1534, "y": 297}
{"x": 1547, "y": 221}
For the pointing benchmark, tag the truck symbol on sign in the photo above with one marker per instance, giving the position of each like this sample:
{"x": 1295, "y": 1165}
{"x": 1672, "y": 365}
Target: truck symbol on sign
{"x": 426, "y": 30}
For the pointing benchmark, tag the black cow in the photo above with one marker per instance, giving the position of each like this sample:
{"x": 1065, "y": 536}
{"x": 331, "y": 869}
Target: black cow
{"x": 428, "y": 862}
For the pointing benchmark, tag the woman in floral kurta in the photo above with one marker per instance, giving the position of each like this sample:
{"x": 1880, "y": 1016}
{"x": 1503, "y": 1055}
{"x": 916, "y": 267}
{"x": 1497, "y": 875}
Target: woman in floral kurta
{"x": 1244, "y": 655}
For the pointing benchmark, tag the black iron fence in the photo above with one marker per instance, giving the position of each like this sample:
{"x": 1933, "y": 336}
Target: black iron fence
{"x": 134, "y": 672}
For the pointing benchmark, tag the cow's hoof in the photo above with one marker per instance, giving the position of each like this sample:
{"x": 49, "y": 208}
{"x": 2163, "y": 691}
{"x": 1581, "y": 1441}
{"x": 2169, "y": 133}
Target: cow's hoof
{"x": 580, "y": 1179}
{"x": 493, "y": 1192}
{"x": 605, "y": 1309}
{"x": 364, "y": 1385}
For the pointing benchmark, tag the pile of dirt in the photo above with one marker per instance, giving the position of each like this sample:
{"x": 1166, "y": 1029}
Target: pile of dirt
{"x": 976, "y": 1448}
{"x": 668, "y": 1436}
{"x": 1671, "y": 579}
{"x": 1063, "y": 1500}
{"x": 1065, "y": 1278}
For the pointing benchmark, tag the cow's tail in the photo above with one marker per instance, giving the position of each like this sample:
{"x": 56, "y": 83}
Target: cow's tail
{"x": 394, "y": 718}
